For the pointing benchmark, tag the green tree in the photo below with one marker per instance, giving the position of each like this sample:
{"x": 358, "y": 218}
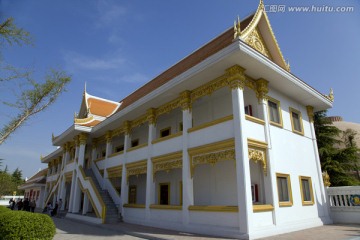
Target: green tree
{"x": 338, "y": 153}
{"x": 7, "y": 186}
{"x": 35, "y": 96}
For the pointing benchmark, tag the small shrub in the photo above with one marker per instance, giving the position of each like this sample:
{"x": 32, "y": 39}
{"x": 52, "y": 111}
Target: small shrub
{"x": 26, "y": 225}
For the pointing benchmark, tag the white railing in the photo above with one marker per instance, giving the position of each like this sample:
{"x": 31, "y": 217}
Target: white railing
{"x": 344, "y": 204}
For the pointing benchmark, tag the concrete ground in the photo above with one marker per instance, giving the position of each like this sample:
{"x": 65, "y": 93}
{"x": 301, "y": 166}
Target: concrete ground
{"x": 76, "y": 230}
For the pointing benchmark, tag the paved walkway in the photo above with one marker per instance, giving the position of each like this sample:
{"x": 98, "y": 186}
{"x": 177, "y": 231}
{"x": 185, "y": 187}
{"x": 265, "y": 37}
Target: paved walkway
{"x": 67, "y": 229}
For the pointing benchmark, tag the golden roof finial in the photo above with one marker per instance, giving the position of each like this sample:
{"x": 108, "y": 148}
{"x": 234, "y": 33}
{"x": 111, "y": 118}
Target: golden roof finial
{"x": 331, "y": 95}
{"x": 288, "y": 65}
{"x": 52, "y": 136}
{"x": 237, "y": 28}
{"x": 84, "y": 89}
{"x": 41, "y": 157}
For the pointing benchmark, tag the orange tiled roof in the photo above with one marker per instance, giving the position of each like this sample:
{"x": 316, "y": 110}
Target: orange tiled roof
{"x": 101, "y": 107}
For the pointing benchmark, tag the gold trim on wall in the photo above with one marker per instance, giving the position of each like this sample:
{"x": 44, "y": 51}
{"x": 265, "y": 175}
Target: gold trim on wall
{"x": 115, "y": 171}
{"x": 137, "y": 147}
{"x": 254, "y": 119}
{"x": 167, "y": 137}
{"x": 166, "y": 207}
{"x": 212, "y": 123}
{"x": 131, "y": 205}
{"x": 214, "y": 208}
{"x": 263, "y": 208}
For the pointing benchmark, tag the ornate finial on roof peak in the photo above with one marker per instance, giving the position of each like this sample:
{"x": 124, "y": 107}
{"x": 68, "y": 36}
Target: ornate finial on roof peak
{"x": 288, "y": 65}
{"x": 331, "y": 95}
{"x": 84, "y": 88}
{"x": 237, "y": 28}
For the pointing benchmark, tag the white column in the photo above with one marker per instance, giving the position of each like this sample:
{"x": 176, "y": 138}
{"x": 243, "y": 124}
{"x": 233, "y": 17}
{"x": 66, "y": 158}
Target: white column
{"x": 188, "y": 187}
{"x": 150, "y": 185}
{"x": 324, "y": 197}
{"x": 108, "y": 153}
{"x": 85, "y": 204}
{"x": 124, "y": 183}
{"x": 80, "y": 163}
{"x": 270, "y": 185}
{"x": 237, "y": 83}
{"x": 72, "y": 191}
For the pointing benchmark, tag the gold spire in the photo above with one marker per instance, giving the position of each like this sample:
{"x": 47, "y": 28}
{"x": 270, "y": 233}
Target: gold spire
{"x": 84, "y": 89}
{"x": 288, "y": 65}
{"x": 331, "y": 95}
{"x": 237, "y": 28}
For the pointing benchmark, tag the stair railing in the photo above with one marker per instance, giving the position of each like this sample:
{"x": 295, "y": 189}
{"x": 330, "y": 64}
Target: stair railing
{"x": 88, "y": 186}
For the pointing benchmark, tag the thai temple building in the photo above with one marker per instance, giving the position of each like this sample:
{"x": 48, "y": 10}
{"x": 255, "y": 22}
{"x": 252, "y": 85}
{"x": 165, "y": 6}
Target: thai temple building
{"x": 221, "y": 143}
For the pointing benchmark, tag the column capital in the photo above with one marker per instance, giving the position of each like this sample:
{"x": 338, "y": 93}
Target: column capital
{"x": 127, "y": 127}
{"x": 185, "y": 100}
{"x": 310, "y": 113}
{"x": 77, "y": 141}
{"x": 262, "y": 88}
{"x": 82, "y": 138}
{"x": 235, "y": 76}
{"x": 94, "y": 143}
{"x": 108, "y": 136}
{"x": 151, "y": 115}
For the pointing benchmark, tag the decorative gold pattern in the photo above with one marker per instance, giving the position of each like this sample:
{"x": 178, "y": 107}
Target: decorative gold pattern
{"x": 257, "y": 155}
{"x": 168, "y": 107}
{"x": 136, "y": 169}
{"x": 326, "y": 179}
{"x": 114, "y": 171}
{"x": 209, "y": 88}
{"x": 261, "y": 89}
{"x": 167, "y": 162}
{"x": 236, "y": 77}
{"x": 214, "y": 157}
{"x": 212, "y": 153}
{"x": 255, "y": 40}
{"x": 151, "y": 116}
{"x": 83, "y": 120}
{"x": 82, "y": 138}
{"x": 310, "y": 113}
{"x": 108, "y": 136}
{"x": 185, "y": 101}
{"x": 139, "y": 121}
{"x": 127, "y": 127}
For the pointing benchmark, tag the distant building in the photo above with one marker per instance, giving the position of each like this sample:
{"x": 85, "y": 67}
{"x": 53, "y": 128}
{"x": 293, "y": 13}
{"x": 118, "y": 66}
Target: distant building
{"x": 221, "y": 143}
{"x": 34, "y": 187}
{"x": 344, "y": 126}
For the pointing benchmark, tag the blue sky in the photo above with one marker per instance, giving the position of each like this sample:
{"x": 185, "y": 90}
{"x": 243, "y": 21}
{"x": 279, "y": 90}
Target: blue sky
{"x": 117, "y": 46}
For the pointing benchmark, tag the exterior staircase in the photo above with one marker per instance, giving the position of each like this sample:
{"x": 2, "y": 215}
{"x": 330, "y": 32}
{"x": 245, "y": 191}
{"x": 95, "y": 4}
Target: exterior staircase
{"x": 112, "y": 212}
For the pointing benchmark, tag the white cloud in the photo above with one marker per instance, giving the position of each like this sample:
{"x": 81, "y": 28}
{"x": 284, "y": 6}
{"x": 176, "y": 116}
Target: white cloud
{"x": 134, "y": 78}
{"x": 76, "y": 61}
{"x": 109, "y": 12}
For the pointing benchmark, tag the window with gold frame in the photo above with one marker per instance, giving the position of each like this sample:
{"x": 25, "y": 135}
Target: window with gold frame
{"x": 284, "y": 189}
{"x": 165, "y": 132}
{"x": 274, "y": 112}
{"x": 307, "y": 194}
{"x": 296, "y": 121}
